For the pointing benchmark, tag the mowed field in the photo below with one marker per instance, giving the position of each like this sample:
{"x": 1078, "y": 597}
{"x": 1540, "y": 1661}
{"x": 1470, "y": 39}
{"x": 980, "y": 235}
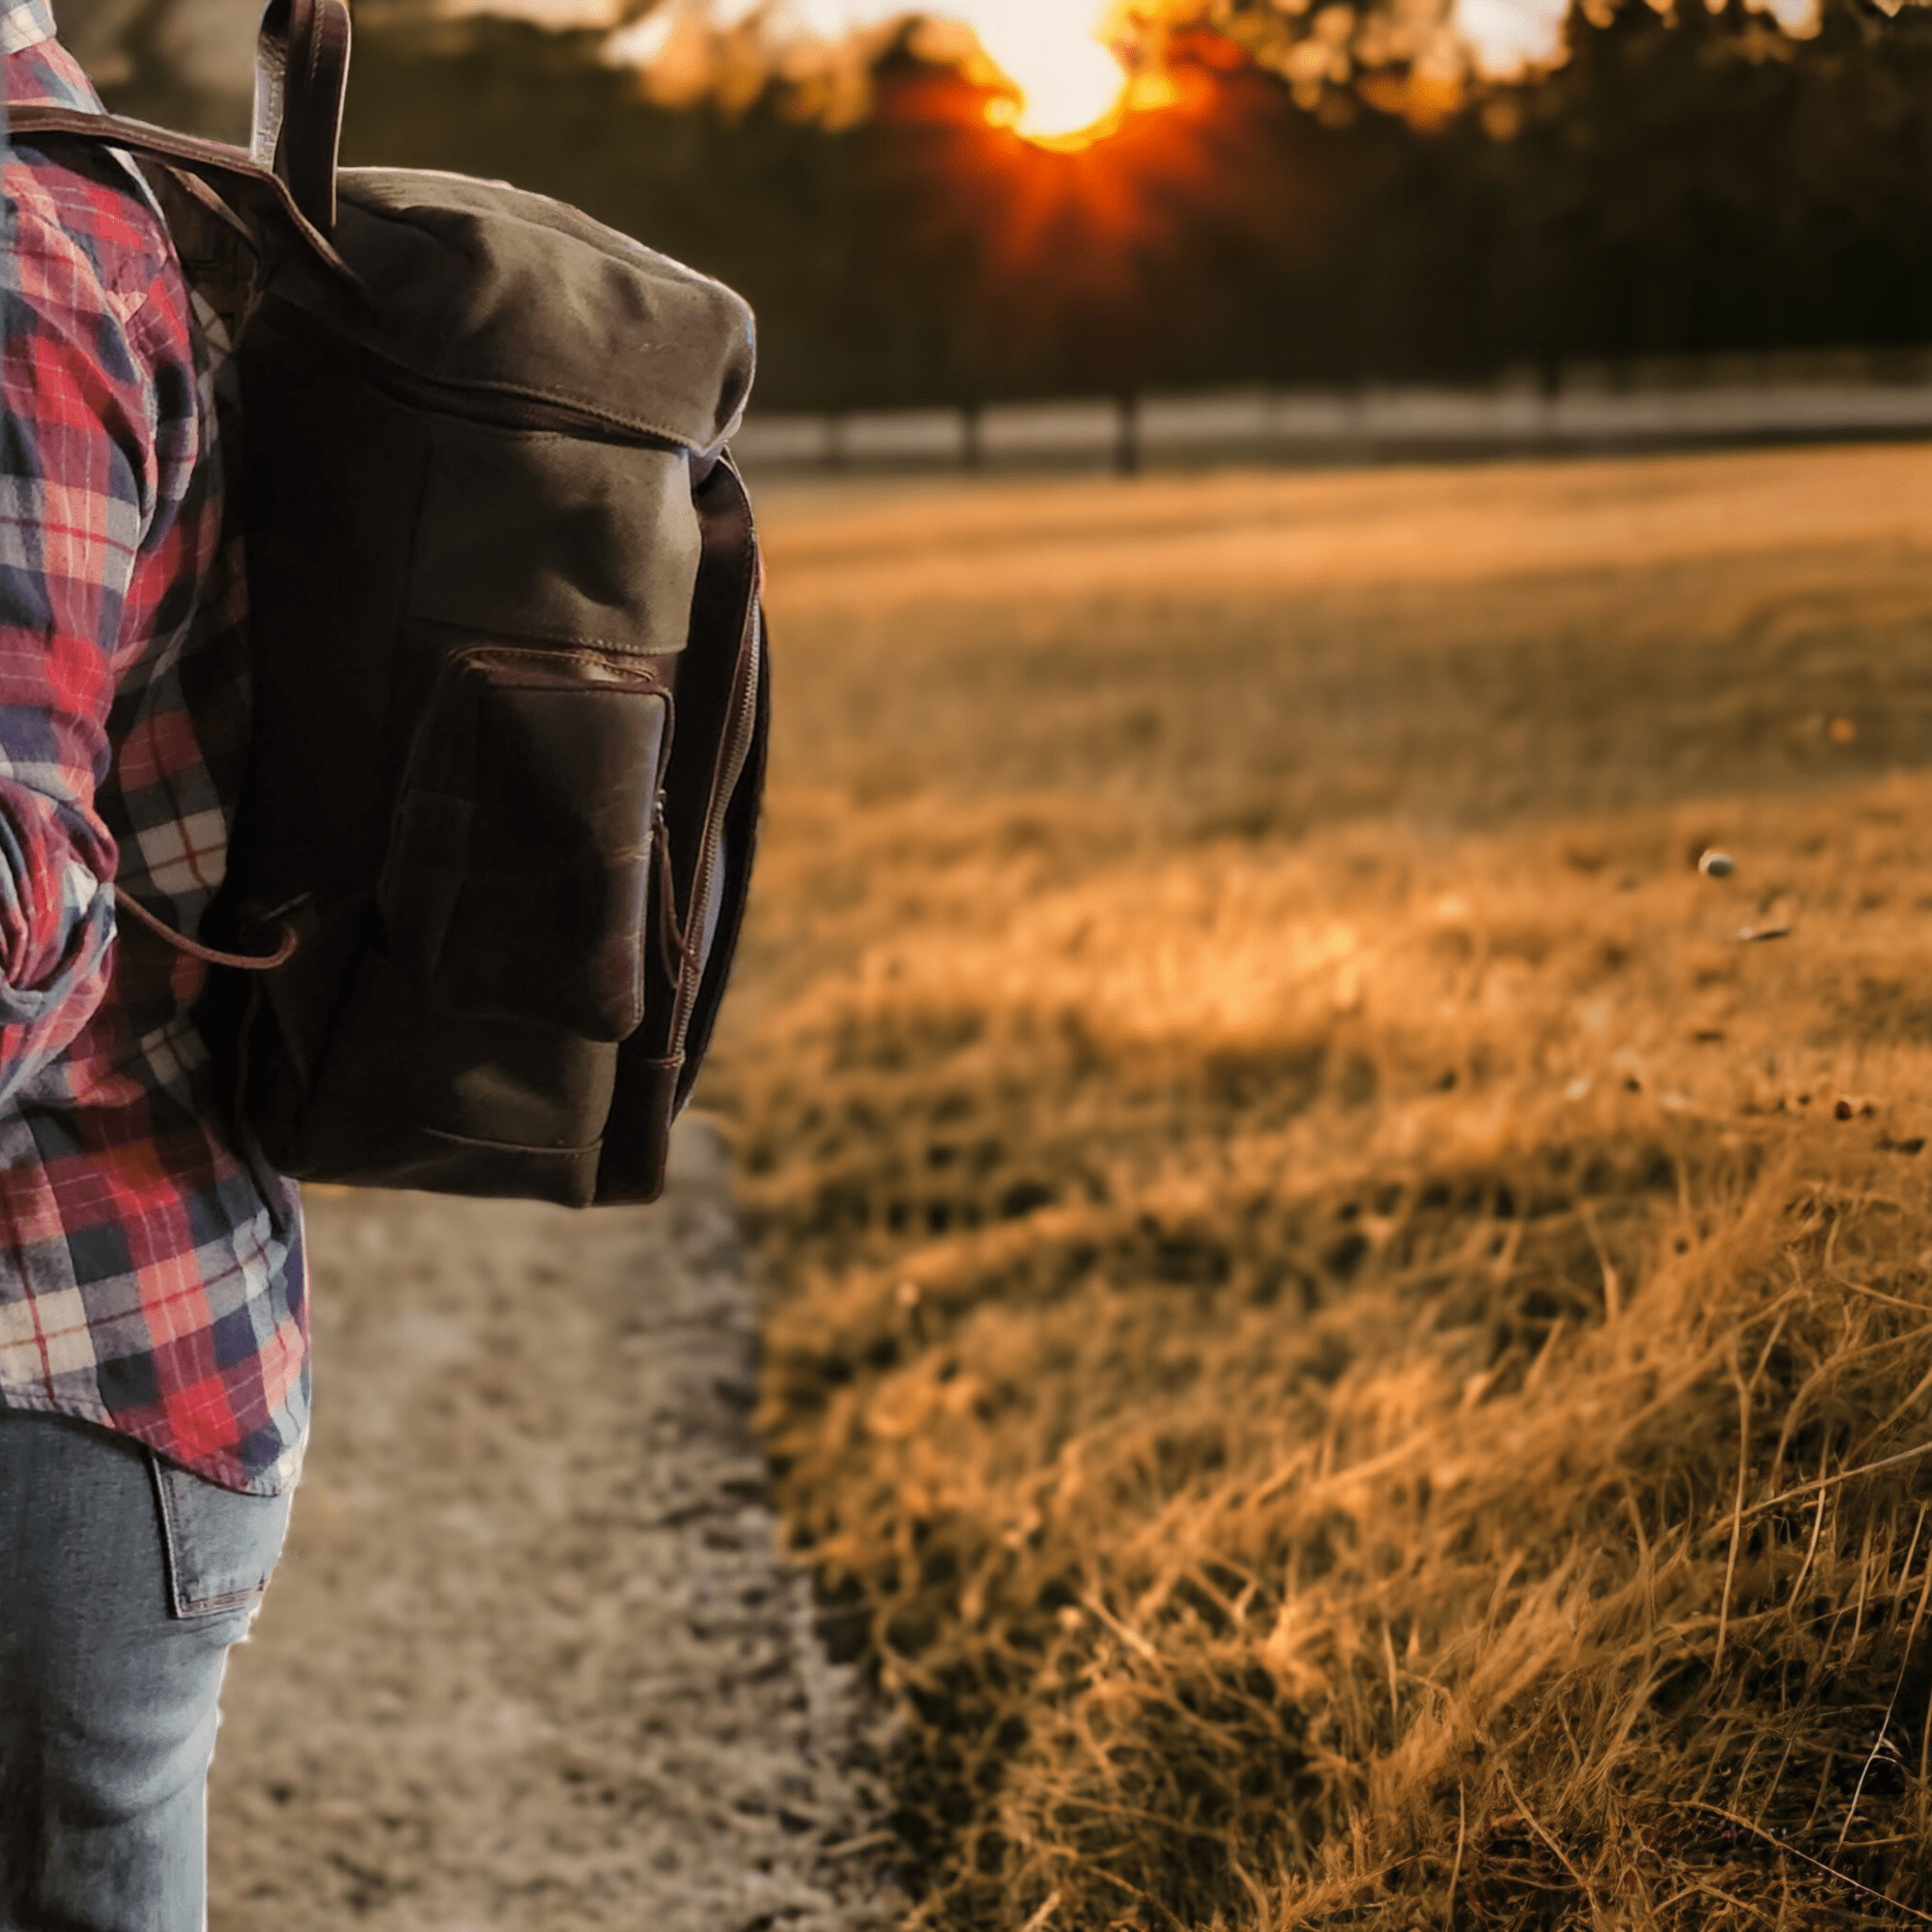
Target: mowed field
{"x": 1349, "y": 1332}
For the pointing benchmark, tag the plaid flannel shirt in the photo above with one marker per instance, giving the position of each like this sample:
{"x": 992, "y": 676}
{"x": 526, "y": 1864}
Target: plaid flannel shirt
{"x": 146, "y": 1282}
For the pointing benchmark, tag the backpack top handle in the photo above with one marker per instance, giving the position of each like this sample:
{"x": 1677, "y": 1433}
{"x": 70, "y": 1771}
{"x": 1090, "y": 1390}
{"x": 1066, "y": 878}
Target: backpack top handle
{"x": 302, "y": 72}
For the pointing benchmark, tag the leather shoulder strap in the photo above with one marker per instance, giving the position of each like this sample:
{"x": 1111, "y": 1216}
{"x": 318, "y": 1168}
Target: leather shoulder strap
{"x": 256, "y": 198}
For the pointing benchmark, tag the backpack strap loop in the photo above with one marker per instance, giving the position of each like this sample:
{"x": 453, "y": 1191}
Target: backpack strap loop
{"x": 302, "y": 71}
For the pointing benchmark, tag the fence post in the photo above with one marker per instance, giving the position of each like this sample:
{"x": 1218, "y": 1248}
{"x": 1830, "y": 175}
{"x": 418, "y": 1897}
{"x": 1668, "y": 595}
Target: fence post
{"x": 1127, "y": 434}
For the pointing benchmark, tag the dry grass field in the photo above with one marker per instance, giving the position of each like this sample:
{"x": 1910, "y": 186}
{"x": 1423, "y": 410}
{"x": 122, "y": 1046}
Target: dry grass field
{"x": 1350, "y": 1333}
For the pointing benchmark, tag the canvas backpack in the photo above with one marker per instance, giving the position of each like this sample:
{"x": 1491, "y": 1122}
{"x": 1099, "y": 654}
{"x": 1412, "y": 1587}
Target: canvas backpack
{"x": 510, "y": 692}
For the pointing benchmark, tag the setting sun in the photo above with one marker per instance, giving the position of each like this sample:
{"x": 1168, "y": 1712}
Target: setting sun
{"x": 1066, "y": 86}
{"x": 1070, "y": 87}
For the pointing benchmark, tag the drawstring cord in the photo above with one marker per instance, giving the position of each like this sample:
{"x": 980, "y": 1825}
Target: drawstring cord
{"x": 247, "y": 962}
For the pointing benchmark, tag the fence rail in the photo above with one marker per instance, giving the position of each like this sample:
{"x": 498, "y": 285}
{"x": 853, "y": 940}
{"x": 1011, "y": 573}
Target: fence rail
{"x": 1657, "y": 404}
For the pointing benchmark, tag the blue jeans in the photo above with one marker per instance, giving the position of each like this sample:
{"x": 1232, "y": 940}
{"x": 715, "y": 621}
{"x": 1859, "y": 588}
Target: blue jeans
{"x": 123, "y": 1583}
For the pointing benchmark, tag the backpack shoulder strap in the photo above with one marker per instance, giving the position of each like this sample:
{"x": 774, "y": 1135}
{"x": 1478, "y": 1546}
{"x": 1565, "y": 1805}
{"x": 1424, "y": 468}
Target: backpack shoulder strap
{"x": 254, "y": 198}
{"x": 286, "y": 181}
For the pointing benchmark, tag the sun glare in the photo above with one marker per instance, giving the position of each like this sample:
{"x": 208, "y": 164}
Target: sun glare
{"x": 1067, "y": 87}
{"x": 1072, "y": 89}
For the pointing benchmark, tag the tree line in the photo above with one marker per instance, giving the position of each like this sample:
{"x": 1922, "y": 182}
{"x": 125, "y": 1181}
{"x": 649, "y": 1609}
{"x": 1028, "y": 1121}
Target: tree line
{"x": 1680, "y": 183}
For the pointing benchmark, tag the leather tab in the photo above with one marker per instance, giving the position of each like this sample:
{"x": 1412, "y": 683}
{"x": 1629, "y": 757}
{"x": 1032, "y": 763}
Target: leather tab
{"x": 301, "y": 72}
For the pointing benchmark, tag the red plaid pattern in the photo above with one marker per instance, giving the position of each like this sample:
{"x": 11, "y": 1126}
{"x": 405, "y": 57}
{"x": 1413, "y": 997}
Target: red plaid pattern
{"x": 146, "y": 1282}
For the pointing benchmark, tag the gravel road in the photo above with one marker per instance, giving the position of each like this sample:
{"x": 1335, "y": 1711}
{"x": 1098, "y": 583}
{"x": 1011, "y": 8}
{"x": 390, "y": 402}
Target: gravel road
{"x": 531, "y": 1660}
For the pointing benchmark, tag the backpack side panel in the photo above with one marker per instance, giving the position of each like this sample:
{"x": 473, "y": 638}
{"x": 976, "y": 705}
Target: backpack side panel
{"x": 738, "y": 846}
{"x": 713, "y": 787}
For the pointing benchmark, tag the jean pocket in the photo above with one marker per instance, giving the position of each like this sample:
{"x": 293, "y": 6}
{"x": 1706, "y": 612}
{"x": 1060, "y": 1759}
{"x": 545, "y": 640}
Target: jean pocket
{"x": 221, "y": 1546}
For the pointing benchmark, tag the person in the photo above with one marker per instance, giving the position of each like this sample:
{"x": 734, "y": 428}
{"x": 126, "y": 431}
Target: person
{"x": 153, "y": 1348}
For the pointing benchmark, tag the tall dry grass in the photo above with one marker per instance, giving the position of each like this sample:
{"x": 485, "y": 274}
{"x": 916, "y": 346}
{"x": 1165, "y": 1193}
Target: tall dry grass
{"x": 1351, "y": 1351}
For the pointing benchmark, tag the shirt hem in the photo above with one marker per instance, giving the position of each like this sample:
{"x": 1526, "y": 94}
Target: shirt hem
{"x": 225, "y": 1472}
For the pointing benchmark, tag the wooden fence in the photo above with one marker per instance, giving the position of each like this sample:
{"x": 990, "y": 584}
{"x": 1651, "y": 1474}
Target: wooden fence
{"x": 1660, "y": 404}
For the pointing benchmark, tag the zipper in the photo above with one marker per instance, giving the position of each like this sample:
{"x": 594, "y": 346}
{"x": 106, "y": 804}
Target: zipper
{"x": 731, "y": 767}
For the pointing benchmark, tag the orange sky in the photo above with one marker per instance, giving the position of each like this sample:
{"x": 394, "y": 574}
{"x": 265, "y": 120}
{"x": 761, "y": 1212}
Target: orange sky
{"x": 1051, "y": 48}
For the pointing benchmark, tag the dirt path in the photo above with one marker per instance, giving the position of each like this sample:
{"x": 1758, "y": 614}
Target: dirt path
{"x": 530, "y": 1660}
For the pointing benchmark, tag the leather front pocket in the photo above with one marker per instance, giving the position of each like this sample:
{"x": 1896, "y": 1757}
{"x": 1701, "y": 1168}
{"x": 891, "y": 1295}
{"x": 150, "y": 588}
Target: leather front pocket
{"x": 518, "y": 877}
